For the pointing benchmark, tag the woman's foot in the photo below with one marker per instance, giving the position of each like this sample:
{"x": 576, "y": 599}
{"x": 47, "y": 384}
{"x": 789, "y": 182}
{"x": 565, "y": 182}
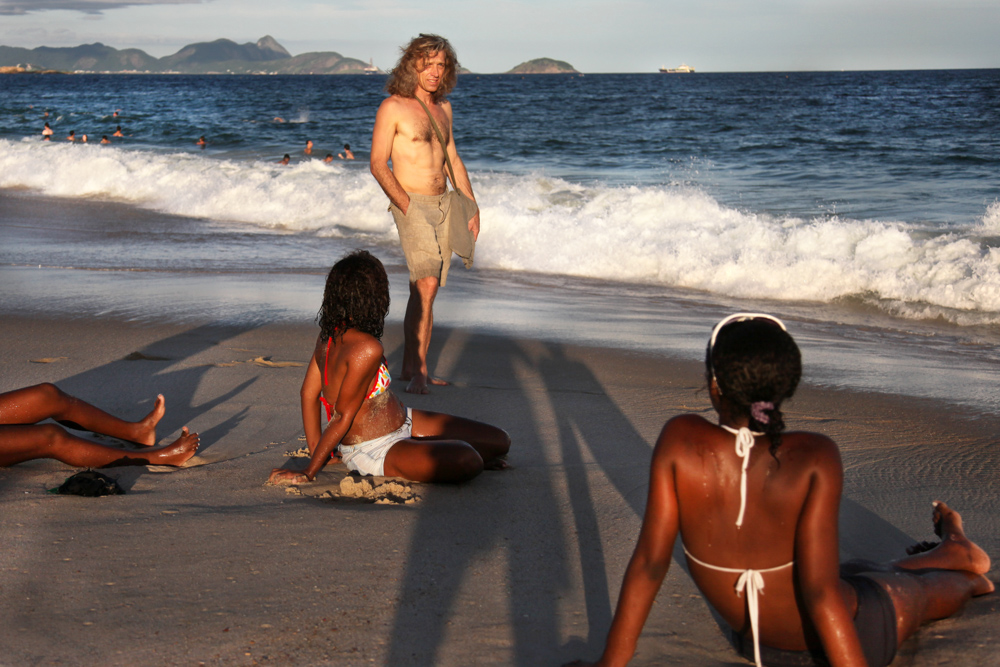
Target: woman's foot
{"x": 178, "y": 452}
{"x": 955, "y": 551}
{"x": 146, "y": 429}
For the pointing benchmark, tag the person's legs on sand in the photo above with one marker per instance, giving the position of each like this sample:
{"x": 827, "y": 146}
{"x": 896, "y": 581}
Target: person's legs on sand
{"x": 491, "y": 442}
{"x": 433, "y": 460}
{"x": 935, "y": 584}
{"x": 31, "y": 405}
{"x": 418, "y": 322}
{"x": 19, "y": 443}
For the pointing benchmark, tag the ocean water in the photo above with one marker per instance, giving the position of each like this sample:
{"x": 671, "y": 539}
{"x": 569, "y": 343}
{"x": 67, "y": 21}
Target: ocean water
{"x": 852, "y": 201}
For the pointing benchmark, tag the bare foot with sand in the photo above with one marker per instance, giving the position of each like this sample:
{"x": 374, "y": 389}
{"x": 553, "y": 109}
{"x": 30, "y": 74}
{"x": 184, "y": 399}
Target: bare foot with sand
{"x": 147, "y": 427}
{"x": 178, "y": 452}
{"x": 955, "y": 551}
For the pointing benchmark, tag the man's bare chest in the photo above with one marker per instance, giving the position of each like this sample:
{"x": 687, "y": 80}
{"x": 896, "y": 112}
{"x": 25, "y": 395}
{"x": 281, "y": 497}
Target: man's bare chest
{"x": 418, "y": 129}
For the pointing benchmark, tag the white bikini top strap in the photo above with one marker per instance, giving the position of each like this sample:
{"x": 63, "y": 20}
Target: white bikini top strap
{"x": 744, "y": 443}
{"x": 753, "y": 582}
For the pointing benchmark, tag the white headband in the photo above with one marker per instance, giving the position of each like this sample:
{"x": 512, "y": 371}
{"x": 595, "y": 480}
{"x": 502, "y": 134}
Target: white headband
{"x": 738, "y": 317}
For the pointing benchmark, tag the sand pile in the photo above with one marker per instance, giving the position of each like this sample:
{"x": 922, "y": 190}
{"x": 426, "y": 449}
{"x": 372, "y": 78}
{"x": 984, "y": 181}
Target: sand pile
{"x": 389, "y": 492}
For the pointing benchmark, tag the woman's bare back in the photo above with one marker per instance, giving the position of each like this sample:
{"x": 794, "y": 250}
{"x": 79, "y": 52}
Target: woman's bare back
{"x": 378, "y": 415}
{"x": 707, "y": 473}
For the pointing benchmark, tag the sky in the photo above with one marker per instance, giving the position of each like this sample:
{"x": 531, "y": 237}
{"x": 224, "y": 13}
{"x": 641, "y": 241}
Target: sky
{"x": 592, "y": 35}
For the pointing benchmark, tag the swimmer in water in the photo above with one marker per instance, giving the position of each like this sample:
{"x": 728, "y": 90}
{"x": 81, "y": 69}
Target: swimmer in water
{"x": 23, "y": 438}
{"x": 347, "y": 154}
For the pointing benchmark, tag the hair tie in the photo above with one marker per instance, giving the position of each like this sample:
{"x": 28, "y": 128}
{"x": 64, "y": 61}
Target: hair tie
{"x": 757, "y": 411}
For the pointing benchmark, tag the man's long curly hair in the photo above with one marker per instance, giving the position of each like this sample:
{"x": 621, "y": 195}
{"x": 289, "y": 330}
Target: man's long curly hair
{"x": 403, "y": 78}
{"x": 756, "y": 361}
{"x": 356, "y": 297}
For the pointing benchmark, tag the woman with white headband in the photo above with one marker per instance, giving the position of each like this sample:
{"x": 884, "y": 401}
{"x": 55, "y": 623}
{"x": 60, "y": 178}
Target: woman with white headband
{"x": 756, "y": 510}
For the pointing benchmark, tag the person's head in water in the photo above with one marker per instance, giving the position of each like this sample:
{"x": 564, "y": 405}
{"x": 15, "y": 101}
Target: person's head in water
{"x": 756, "y": 366}
{"x": 356, "y": 297}
{"x": 403, "y": 78}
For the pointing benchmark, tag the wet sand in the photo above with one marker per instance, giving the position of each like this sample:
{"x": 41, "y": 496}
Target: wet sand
{"x": 207, "y": 564}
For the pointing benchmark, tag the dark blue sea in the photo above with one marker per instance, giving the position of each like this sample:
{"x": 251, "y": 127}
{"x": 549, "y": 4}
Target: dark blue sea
{"x": 850, "y": 201}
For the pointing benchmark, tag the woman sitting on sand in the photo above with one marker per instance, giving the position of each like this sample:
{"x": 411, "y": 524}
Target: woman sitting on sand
{"x": 368, "y": 425}
{"x": 756, "y": 506}
{"x": 22, "y": 438}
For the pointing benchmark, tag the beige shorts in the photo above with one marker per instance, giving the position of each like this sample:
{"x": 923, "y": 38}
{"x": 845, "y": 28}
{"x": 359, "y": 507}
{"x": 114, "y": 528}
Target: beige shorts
{"x": 423, "y": 233}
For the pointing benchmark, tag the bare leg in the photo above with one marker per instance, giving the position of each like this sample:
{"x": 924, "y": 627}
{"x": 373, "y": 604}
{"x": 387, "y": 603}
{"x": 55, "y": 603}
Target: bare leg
{"x": 955, "y": 551}
{"x": 46, "y": 401}
{"x": 491, "y": 442}
{"x": 936, "y": 584}
{"x": 446, "y": 449}
{"x": 433, "y": 461}
{"x": 20, "y": 443}
{"x": 417, "y": 325}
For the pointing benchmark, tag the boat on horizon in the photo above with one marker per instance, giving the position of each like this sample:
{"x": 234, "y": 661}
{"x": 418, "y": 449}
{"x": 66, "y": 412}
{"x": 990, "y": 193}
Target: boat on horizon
{"x": 683, "y": 69}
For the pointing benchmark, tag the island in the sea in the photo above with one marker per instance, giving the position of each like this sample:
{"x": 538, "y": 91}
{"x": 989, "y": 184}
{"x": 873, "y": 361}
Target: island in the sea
{"x": 223, "y": 56}
{"x": 544, "y": 66}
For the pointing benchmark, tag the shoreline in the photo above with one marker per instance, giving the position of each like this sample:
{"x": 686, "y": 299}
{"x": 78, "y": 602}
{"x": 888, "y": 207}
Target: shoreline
{"x": 518, "y": 567}
{"x": 851, "y": 350}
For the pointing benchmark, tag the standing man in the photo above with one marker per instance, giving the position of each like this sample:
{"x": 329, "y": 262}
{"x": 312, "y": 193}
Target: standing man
{"x": 416, "y": 185}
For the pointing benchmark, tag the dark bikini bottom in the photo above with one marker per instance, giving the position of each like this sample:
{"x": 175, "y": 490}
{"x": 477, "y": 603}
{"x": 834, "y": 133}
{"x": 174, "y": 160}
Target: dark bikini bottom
{"x": 875, "y": 623}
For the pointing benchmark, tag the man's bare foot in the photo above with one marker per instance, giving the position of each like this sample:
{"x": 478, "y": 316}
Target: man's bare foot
{"x": 178, "y": 452}
{"x": 955, "y": 552}
{"x": 418, "y": 384}
{"x": 146, "y": 434}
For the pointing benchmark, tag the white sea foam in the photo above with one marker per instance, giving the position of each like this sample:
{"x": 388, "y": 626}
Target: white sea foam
{"x": 661, "y": 235}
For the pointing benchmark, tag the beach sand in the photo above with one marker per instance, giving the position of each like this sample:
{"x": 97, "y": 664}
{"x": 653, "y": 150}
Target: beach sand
{"x": 208, "y": 565}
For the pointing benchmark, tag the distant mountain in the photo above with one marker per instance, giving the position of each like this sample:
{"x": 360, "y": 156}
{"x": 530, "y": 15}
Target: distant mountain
{"x": 544, "y": 66}
{"x": 267, "y": 56}
{"x": 87, "y": 57}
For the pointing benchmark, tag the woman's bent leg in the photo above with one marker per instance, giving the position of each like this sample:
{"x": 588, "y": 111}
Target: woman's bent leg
{"x": 929, "y": 595}
{"x": 432, "y": 460}
{"x": 491, "y": 442}
{"x": 46, "y": 401}
{"x": 20, "y": 443}
{"x": 937, "y": 583}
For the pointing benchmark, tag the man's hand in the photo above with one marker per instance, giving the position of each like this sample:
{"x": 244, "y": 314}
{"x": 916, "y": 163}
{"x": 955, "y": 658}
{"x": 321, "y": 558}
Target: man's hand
{"x": 474, "y": 226}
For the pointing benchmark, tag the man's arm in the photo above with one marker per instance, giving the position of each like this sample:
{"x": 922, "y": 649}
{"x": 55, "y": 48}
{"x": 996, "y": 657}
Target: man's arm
{"x": 461, "y": 175}
{"x": 382, "y": 137}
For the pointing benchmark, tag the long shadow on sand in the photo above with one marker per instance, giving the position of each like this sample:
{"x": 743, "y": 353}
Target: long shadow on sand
{"x": 566, "y": 414}
{"x": 511, "y": 512}
{"x": 574, "y": 439}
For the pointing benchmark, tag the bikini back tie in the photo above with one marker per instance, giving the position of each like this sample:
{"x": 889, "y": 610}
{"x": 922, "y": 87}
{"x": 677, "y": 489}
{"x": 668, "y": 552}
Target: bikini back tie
{"x": 744, "y": 444}
{"x": 753, "y": 582}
